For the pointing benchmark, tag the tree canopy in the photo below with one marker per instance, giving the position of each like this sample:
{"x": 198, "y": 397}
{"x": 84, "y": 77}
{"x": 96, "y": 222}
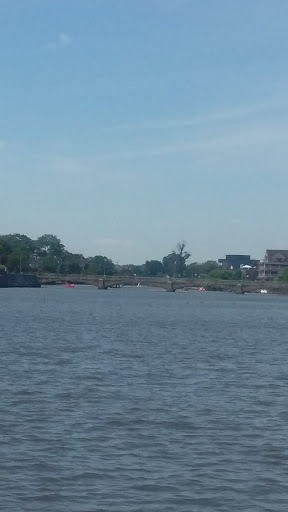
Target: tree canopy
{"x": 225, "y": 275}
{"x": 283, "y": 276}
{"x": 49, "y": 245}
{"x": 175, "y": 263}
{"x": 153, "y": 268}
{"x": 47, "y": 254}
{"x": 100, "y": 265}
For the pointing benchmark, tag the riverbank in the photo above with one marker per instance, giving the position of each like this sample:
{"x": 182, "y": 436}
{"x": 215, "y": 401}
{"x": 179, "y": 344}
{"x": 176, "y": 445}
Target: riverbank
{"x": 171, "y": 285}
{"x": 19, "y": 281}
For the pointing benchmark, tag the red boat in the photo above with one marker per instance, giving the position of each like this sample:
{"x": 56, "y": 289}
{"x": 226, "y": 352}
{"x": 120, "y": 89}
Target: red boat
{"x": 70, "y": 285}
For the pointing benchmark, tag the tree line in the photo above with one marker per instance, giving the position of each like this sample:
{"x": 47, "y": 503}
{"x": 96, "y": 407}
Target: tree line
{"x": 47, "y": 254}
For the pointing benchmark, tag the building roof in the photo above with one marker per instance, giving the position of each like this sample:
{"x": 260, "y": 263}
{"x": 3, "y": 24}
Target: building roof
{"x": 238, "y": 256}
{"x": 271, "y": 253}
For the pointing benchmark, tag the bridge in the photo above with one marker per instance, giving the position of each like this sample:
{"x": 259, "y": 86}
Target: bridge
{"x": 168, "y": 284}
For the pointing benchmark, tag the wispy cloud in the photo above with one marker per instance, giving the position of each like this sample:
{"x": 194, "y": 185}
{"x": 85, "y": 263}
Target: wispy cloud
{"x": 254, "y": 135}
{"x": 258, "y": 136}
{"x": 60, "y": 43}
{"x": 239, "y": 113}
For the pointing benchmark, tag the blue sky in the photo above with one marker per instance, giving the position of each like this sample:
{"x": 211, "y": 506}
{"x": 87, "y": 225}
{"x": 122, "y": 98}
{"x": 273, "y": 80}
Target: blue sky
{"x": 126, "y": 126}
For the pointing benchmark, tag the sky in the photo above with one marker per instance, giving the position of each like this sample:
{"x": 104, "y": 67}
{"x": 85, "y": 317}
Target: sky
{"x": 127, "y": 126}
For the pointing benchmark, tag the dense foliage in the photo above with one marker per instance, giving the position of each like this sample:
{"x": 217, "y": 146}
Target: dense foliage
{"x": 47, "y": 254}
{"x": 283, "y": 276}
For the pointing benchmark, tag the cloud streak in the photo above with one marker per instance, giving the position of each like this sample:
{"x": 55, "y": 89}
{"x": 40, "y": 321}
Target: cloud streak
{"x": 214, "y": 117}
{"x": 255, "y": 135}
{"x": 246, "y": 138}
{"x": 60, "y": 43}
{"x": 260, "y": 137}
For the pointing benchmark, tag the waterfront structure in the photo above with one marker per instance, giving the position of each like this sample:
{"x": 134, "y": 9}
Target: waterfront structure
{"x": 274, "y": 262}
{"x": 236, "y": 261}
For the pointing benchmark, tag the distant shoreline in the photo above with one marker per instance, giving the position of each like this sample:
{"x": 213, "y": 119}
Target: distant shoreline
{"x": 168, "y": 284}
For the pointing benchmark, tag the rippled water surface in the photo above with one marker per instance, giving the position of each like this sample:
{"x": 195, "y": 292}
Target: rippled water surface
{"x": 140, "y": 400}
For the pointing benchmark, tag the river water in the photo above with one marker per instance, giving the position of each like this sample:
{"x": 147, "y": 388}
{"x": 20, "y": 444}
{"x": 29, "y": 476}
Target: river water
{"x": 140, "y": 400}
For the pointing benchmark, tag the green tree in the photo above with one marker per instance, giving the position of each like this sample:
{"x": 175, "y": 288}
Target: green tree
{"x": 18, "y": 262}
{"x": 225, "y": 275}
{"x": 5, "y": 251}
{"x": 48, "y": 254}
{"x": 201, "y": 269}
{"x": 208, "y": 266}
{"x": 153, "y": 268}
{"x": 49, "y": 245}
{"x": 72, "y": 263}
{"x": 283, "y": 276}
{"x": 100, "y": 265}
{"x": 19, "y": 242}
{"x": 129, "y": 270}
{"x": 49, "y": 264}
{"x": 174, "y": 264}
{"x": 181, "y": 257}
{"x": 169, "y": 264}
{"x": 15, "y": 252}
{"x": 137, "y": 270}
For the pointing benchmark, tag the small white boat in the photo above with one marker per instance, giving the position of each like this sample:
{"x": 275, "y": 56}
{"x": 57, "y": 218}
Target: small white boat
{"x": 263, "y": 291}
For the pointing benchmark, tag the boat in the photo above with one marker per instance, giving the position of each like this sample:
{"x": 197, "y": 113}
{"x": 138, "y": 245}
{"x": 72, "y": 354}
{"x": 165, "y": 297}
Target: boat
{"x": 263, "y": 291}
{"x": 69, "y": 285}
